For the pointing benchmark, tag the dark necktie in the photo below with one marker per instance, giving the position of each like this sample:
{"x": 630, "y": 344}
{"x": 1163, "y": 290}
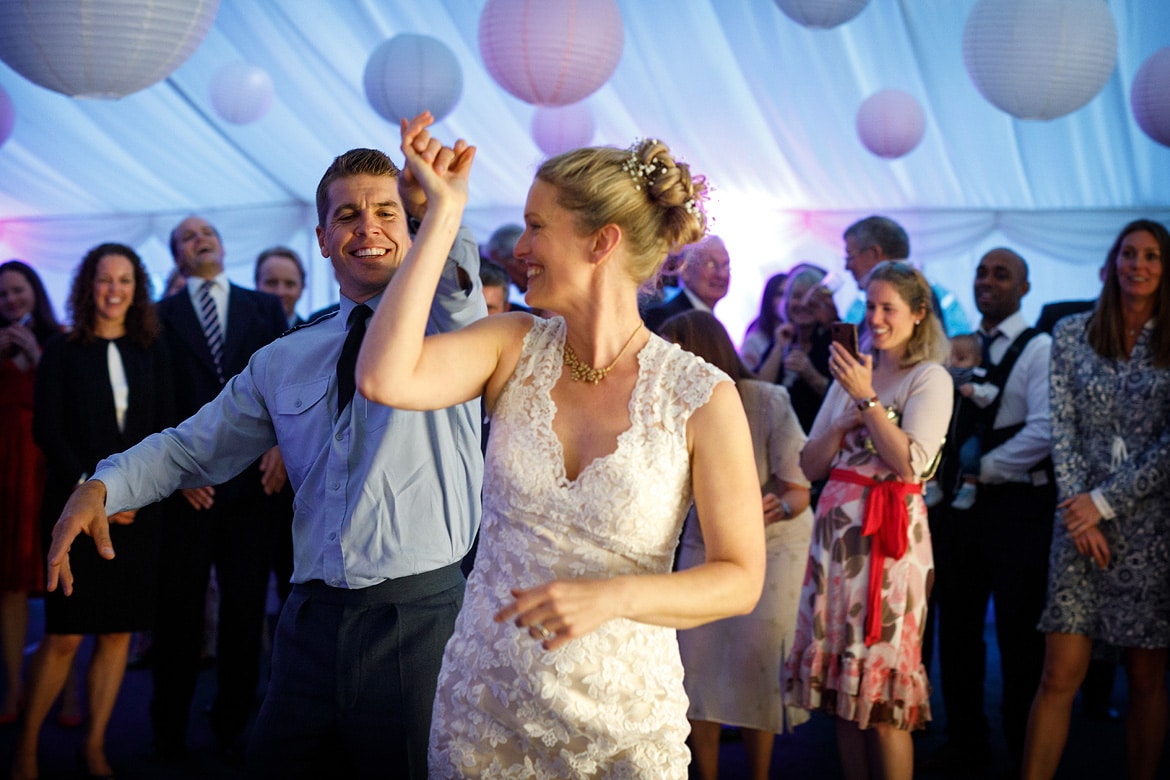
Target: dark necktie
{"x": 987, "y": 340}
{"x": 347, "y": 363}
{"x": 209, "y": 318}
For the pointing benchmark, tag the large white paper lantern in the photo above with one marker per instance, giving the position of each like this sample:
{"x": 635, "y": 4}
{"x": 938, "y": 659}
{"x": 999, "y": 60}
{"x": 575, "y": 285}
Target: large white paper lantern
{"x": 7, "y": 115}
{"x": 551, "y": 52}
{"x": 561, "y": 128}
{"x": 823, "y": 14}
{"x": 1040, "y": 59}
{"x": 101, "y": 48}
{"x": 241, "y": 93}
{"x": 412, "y": 73}
{"x": 890, "y": 123}
{"x": 1149, "y": 97}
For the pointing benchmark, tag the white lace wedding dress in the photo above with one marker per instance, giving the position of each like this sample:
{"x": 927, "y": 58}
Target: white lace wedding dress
{"x": 609, "y": 704}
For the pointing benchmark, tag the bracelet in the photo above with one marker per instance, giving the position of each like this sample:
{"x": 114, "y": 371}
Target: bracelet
{"x": 784, "y": 505}
{"x": 867, "y": 403}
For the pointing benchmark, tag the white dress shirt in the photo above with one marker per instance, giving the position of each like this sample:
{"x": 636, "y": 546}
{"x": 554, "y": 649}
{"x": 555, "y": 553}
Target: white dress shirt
{"x": 1025, "y": 400}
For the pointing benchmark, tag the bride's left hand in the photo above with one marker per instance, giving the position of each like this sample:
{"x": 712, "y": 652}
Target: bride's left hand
{"x": 566, "y": 609}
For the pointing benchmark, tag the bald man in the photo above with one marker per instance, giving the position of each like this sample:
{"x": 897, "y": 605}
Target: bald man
{"x": 999, "y": 548}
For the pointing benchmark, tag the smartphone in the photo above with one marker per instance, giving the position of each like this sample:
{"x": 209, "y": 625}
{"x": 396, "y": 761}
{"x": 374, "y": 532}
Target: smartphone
{"x": 845, "y": 334}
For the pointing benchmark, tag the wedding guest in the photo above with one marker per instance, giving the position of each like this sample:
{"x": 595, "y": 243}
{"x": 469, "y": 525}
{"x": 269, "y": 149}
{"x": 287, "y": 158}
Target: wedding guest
{"x": 280, "y": 272}
{"x": 760, "y": 335}
{"x": 857, "y": 652}
{"x": 27, "y": 322}
{"x": 733, "y": 666}
{"x": 105, "y": 385}
{"x": 1109, "y": 571}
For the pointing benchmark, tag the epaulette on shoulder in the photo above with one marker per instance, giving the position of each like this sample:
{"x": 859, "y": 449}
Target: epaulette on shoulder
{"x": 320, "y": 318}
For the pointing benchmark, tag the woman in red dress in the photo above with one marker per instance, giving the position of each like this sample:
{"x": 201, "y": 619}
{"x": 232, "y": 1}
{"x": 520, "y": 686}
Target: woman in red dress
{"x": 26, "y": 322}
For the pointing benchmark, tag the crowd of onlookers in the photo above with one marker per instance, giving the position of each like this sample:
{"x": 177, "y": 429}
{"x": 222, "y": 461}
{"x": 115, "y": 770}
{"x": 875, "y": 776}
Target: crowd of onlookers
{"x": 1034, "y": 475}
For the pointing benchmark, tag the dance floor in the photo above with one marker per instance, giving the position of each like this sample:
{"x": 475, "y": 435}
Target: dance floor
{"x": 1096, "y": 748}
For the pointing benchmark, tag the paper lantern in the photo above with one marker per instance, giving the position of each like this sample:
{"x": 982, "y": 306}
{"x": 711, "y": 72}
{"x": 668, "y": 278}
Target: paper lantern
{"x": 1150, "y": 97}
{"x": 1039, "y": 59}
{"x": 890, "y": 123}
{"x": 821, "y": 13}
{"x": 101, "y": 48}
{"x": 412, "y": 73}
{"x": 241, "y": 93}
{"x": 551, "y": 52}
{"x": 560, "y": 129}
{"x": 7, "y": 115}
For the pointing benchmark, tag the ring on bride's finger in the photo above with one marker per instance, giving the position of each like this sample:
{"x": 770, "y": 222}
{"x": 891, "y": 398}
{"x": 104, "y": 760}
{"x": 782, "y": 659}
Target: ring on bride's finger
{"x": 545, "y": 634}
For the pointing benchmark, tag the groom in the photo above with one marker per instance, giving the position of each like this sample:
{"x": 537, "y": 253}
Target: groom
{"x": 387, "y": 501}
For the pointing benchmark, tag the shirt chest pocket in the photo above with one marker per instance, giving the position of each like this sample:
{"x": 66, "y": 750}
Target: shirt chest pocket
{"x": 302, "y": 421}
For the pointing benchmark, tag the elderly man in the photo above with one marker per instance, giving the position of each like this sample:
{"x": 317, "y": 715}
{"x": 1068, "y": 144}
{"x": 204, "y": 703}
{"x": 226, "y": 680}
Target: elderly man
{"x": 387, "y": 501}
{"x": 999, "y": 548}
{"x": 705, "y": 275}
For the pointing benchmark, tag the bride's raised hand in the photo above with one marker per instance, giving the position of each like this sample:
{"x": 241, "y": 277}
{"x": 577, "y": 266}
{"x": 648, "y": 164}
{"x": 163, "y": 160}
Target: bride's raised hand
{"x": 440, "y": 172}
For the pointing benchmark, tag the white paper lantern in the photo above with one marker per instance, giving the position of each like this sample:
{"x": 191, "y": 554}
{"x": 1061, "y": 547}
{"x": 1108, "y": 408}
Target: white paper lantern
{"x": 241, "y": 93}
{"x": 101, "y": 48}
{"x": 822, "y": 14}
{"x": 1150, "y": 96}
{"x": 559, "y": 129}
{"x": 7, "y": 115}
{"x": 890, "y": 123}
{"x": 1040, "y": 59}
{"x": 412, "y": 73}
{"x": 552, "y": 52}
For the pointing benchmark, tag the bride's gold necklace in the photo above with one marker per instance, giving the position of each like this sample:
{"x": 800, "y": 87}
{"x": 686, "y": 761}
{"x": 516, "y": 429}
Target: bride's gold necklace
{"x": 581, "y": 372}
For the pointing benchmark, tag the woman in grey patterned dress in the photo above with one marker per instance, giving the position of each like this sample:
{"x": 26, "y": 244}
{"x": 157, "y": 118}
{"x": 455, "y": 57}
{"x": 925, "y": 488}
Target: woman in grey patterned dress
{"x": 1109, "y": 570}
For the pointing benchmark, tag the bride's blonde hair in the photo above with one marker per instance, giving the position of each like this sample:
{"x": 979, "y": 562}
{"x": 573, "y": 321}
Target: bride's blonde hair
{"x": 652, "y": 197}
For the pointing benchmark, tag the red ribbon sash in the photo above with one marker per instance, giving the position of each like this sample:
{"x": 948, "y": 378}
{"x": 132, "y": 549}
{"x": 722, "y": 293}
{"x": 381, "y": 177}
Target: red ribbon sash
{"x": 888, "y": 522}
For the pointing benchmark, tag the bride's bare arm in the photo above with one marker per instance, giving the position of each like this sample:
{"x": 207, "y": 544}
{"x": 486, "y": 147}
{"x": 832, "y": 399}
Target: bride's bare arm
{"x": 397, "y": 366}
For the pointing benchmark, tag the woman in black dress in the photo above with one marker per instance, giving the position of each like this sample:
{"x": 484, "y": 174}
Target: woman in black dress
{"x": 100, "y": 389}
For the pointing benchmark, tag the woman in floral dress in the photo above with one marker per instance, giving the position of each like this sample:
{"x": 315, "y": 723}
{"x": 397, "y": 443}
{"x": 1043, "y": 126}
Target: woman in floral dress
{"x": 1109, "y": 570}
{"x": 857, "y": 652}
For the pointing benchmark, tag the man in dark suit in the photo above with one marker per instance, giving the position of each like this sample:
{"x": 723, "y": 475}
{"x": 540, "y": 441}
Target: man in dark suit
{"x": 212, "y": 328}
{"x": 704, "y": 273}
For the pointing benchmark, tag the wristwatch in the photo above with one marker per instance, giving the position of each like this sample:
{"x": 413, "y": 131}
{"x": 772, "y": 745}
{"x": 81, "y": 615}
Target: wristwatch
{"x": 867, "y": 403}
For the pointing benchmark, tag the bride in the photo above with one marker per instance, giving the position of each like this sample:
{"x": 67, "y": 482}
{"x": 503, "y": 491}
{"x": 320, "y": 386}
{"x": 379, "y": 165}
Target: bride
{"x": 564, "y": 660}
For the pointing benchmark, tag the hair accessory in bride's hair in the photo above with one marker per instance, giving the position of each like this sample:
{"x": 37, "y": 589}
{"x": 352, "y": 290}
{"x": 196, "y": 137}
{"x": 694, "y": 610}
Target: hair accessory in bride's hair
{"x": 638, "y": 170}
{"x": 641, "y": 172}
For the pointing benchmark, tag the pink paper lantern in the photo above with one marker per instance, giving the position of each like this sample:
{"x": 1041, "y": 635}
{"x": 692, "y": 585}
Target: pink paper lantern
{"x": 412, "y": 73}
{"x": 823, "y": 14}
{"x": 551, "y": 52}
{"x": 241, "y": 93}
{"x": 7, "y": 115}
{"x": 890, "y": 123}
{"x": 1150, "y": 96}
{"x": 560, "y": 129}
{"x": 1039, "y": 59}
{"x": 101, "y": 48}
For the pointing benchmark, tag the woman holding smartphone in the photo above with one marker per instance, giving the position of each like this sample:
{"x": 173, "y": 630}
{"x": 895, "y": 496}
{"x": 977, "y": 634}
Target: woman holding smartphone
{"x": 857, "y": 652}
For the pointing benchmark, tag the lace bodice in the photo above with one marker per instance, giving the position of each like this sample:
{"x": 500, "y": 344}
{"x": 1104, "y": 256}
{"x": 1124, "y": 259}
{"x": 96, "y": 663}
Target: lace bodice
{"x": 611, "y": 701}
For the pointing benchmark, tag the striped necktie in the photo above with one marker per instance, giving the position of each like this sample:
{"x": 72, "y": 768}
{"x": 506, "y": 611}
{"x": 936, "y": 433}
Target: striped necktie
{"x": 210, "y": 320}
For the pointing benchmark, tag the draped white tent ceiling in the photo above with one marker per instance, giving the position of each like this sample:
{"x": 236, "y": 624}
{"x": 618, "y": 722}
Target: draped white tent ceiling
{"x": 766, "y": 108}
